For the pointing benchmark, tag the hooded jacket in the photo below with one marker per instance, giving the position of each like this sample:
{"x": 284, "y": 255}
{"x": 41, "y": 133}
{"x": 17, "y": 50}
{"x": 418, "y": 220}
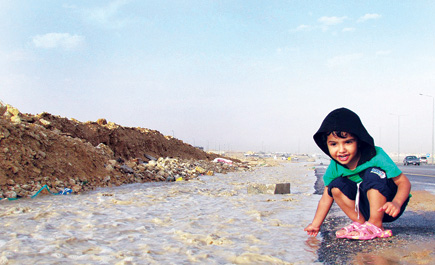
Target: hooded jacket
{"x": 344, "y": 120}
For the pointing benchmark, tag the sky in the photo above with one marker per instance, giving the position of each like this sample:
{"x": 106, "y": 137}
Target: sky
{"x": 226, "y": 75}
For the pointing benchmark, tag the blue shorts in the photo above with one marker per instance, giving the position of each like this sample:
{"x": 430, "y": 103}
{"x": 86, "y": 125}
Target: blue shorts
{"x": 373, "y": 178}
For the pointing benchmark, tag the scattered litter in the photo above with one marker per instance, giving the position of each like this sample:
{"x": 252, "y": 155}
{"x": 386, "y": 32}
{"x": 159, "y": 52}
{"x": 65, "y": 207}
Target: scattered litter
{"x": 65, "y": 191}
{"x": 150, "y": 157}
{"x": 223, "y": 160}
{"x": 200, "y": 170}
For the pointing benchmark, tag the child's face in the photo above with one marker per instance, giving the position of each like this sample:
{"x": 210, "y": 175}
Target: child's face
{"x": 344, "y": 150}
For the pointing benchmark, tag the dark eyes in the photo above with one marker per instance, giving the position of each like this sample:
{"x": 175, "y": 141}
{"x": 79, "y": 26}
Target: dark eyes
{"x": 346, "y": 142}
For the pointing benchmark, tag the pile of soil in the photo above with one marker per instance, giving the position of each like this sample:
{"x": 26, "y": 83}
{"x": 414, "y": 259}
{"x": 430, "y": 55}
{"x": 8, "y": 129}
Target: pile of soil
{"x": 125, "y": 142}
{"x": 44, "y": 149}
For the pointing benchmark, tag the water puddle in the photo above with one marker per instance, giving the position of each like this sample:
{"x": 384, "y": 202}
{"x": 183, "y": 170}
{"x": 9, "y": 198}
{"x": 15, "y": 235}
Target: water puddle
{"x": 211, "y": 220}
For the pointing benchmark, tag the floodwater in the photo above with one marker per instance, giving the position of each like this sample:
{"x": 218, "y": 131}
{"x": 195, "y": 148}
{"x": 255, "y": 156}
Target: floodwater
{"x": 212, "y": 220}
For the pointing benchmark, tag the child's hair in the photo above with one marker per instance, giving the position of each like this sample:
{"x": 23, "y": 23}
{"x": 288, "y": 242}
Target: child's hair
{"x": 339, "y": 134}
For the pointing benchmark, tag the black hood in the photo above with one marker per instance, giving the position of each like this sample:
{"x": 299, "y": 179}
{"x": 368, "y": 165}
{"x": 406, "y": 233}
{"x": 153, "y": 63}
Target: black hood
{"x": 345, "y": 120}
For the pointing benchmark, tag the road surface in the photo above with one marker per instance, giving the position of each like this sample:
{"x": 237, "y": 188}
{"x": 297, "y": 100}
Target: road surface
{"x": 421, "y": 177}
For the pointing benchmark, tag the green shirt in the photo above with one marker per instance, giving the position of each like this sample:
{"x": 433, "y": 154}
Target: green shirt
{"x": 380, "y": 160}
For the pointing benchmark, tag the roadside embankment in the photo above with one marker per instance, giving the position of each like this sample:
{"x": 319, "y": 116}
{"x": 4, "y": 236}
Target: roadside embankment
{"x": 43, "y": 149}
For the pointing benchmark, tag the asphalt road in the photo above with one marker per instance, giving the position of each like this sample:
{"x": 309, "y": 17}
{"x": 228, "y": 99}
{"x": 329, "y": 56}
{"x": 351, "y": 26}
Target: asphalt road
{"x": 421, "y": 177}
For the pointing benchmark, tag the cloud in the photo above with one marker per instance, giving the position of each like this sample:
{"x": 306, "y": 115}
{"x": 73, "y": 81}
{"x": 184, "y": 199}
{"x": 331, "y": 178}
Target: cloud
{"x": 106, "y": 15}
{"x": 303, "y": 28}
{"x": 283, "y": 50}
{"x": 383, "y": 53}
{"x": 348, "y": 30}
{"x": 368, "y": 17}
{"x": 331, "y": 21}
{"x": 327, "y": 22}
{"x": 343, "y": 59}
{"x": 58, "y": 40}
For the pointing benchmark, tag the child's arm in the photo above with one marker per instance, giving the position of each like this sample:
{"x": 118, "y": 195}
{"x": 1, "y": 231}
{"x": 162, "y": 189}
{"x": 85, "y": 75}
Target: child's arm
{"x": 403, "y": 190}
{"x": 323, "y": 207}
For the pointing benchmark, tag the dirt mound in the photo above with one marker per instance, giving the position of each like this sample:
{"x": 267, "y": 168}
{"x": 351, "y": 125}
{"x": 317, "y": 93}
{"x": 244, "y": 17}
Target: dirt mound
{"x": 125, "y": 142}
{"x": 44, "y": 149}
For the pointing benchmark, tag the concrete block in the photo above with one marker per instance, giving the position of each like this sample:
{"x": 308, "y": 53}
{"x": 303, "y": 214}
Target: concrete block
{"x": 280, "y": 188}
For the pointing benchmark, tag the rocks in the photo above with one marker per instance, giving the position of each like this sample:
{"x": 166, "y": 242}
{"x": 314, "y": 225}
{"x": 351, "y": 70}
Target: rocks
{"x": 105, "y": 150}
{"x": 10, "y": 194}
{"x": 3, "y": 108}
{"x": 45, "y": 122}
{"x": 131, "y": 171}
{"x": 280, "y": 188}
{"x": 126, "y": 169}
{"x": 171, "y": 169}
{"x": 150, "y": 157}
{"x": 102, "y": 121}
{"x": 11, "y": 113}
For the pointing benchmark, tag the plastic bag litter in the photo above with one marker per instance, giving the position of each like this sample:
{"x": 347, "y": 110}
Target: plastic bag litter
{"x": 223, "y": 160}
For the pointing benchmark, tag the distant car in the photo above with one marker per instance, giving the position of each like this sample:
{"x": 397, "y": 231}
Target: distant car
{"x": 423, "y": 160}
{"x": 411, "y": 160}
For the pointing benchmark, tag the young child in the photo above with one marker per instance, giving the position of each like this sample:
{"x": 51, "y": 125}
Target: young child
{"x": 361, "y": 178}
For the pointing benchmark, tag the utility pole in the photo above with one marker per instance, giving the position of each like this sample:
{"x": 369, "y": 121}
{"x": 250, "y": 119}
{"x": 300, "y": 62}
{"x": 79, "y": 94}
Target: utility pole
{"x": 398, "y": 135}
{"x": 433, "y": 125}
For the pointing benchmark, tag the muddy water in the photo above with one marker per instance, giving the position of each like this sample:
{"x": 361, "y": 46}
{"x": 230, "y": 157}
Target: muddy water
{"x": 212, "y": 220}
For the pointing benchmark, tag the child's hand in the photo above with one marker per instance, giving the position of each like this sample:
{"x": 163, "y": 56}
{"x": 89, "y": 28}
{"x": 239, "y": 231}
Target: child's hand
{"x": 390, "y": 208}
{"x": 312, "y": 230}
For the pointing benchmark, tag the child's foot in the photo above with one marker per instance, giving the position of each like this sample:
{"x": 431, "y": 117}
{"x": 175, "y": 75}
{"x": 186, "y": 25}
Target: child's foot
{"x": 369, "y": 231}
{"x": 345, "y": 231}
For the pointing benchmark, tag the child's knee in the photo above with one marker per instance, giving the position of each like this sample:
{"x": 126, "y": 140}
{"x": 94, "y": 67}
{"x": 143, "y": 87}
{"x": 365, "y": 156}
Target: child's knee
{"x": 336, "y": 192}
{"x": 375, "y": 194}
{"x": 342, "y": 186}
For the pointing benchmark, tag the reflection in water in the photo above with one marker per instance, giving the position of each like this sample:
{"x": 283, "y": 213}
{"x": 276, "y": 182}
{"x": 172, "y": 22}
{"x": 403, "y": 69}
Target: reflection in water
{"x": 312, "y": 245}
{"x": 212, "y": 220}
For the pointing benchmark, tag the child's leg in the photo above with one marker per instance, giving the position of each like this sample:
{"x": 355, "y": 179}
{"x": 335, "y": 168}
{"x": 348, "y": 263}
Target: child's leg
{"x": 344, "y": 193}
{"x": 376, "y": 201}
{"x": 347, "y": 205}
{"x": 376, "y": 190}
